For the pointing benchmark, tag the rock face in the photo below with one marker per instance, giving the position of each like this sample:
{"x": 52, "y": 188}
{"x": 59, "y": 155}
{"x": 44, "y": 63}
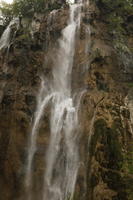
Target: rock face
{"x": 106, "y": 143}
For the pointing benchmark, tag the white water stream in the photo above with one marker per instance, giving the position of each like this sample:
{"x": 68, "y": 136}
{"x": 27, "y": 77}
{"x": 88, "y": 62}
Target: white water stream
{"x": 5, "y": 42}
{"x": 6, "y": 36}
{"x": 62, "y": 155}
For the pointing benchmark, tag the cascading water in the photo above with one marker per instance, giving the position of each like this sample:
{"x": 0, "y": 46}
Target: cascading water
{"x": 62, "y": 156}
{"x": 6, "y": 36}
{"x": 5, "y": 42}
{"x": 42, "y": 103}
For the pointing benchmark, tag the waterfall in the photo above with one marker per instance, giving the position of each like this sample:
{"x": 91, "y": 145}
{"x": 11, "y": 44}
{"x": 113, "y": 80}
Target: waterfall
{"x": 6, "y": 36}
{"x": 64, "y": 120}
{"x": 62, "y": 160}
{"x": 5, "y": 42}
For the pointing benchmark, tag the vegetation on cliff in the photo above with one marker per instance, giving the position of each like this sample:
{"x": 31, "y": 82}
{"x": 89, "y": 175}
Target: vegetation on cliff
{"x": 110, "y": 166}
{"x": 118, "y": 17}
{"x": 27, "y": 8}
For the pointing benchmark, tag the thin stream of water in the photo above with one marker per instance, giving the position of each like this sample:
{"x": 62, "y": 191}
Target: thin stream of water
{"x": 5, "y": 39}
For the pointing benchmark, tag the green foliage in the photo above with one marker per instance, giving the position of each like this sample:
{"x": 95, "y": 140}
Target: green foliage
{"x": 7, "y": 12}
{"x": 129, "y": 85}
{"x": 117, "y": 6}
{"x": 115, "y": 14}
{"x": 26, "y": 8}
{"x": 128, "y": 161}
{"x": 109, "y": 138}
{"x": 127, "y": 169}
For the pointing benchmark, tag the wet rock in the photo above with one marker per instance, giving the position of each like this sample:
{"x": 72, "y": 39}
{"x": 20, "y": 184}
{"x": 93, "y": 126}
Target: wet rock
{"x": 105, "y": 146}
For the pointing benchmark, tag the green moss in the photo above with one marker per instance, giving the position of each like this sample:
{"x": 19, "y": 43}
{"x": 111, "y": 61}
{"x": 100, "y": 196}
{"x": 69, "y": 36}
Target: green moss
{"x": 130, "y": 85}
{"x": 99, "y": 129}
{"x": 24, "y": 37}
{"x": 129, "y": 186}
{"x": 116, "y": 14}
{"x": 128, "y": 162}
{"x": 130, "y": 194}
{"x": 111, "y": 154}
{"x": 24, "y": 8}
{"x": 112, "y": 147}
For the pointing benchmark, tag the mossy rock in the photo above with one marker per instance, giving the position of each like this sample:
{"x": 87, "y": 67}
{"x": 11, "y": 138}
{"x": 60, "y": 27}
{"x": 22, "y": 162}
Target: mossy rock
{"x": 108, "y": 137}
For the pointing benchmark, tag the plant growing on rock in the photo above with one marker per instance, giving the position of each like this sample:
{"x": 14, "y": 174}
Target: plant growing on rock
{"x": 27, "y": 8}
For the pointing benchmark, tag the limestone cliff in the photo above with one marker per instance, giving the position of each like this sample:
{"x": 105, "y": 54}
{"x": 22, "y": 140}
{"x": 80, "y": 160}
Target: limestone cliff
{"x": 106, "y": 113}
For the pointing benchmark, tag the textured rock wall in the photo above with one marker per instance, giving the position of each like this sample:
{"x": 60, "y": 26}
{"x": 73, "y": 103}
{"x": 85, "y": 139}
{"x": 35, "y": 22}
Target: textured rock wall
{"x": 106, "y": 171}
